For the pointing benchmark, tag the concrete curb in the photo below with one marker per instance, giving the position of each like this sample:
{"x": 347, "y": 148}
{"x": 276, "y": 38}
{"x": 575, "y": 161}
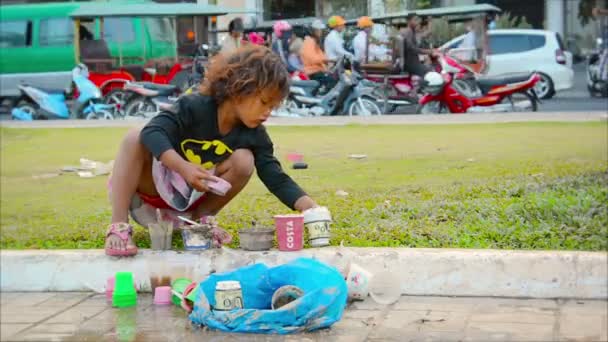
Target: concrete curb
{"x": 589, "y": 116}
{"x": 443, "y": 272}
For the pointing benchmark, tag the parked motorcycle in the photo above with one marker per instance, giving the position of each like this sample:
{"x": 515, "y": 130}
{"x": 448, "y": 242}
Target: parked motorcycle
{"x": 146, "y": 99}
{"x": 595, "y": 84}
{"x": 352, "y": 95}
{"x": 445, "y": 93}
{"x": 38, "y": 103}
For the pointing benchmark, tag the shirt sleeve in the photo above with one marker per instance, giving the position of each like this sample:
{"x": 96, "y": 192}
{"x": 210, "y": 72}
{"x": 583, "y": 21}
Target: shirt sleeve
{"x": 271, "y": 173}
{"x": 164, "y": 129}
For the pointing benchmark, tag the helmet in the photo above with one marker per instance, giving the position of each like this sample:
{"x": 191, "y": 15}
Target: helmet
{"x": 365, "y": 22}
{"x": 318, "y": 25}
{"x": 433, "y": 79}
{"x": 279, "y": 27}
{"x": 336, "y": 21}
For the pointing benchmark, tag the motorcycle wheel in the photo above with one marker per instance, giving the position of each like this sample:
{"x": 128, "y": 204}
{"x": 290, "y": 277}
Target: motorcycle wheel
{"x": 364, "y": 106}
{"x": 138, "y": 106}
{"x": 100, "y": 115}
{"x": 432, "y": 107}
{"x": 30, "y": 108}
{"x": 116, "y": 97}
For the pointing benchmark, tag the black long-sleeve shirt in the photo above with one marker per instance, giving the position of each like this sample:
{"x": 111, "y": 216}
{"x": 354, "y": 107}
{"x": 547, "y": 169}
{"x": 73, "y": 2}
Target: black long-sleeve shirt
{"x": 192, "y": 131}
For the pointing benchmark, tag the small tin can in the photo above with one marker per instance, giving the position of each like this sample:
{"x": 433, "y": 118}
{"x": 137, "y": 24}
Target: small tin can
{"x": 228, "y": 295}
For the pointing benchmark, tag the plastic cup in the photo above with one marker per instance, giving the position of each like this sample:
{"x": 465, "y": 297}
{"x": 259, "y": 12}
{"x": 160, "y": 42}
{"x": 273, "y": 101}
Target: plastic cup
{"x": 124, "y": 294}
{"x": 110, "y": 287}
{"x": 358, "y": 281}
{"x": 290, "y": 232}
{"x": 162, "y": 295}
{"x": 179, "y": 286}
{"x": 317, "y": 221}
{"x": 189, "y": 297}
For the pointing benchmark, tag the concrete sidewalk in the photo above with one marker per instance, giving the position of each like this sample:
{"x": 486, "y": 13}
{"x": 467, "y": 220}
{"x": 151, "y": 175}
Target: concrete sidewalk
{"x": 88, "y": 317}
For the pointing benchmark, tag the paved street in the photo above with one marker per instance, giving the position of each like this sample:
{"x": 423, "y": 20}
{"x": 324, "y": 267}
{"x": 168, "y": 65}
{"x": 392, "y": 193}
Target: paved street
{"x": 88, "y": 317}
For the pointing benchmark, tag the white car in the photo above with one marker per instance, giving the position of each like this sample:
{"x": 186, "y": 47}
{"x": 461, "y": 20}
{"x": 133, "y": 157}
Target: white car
{"x": 517, "y": 50}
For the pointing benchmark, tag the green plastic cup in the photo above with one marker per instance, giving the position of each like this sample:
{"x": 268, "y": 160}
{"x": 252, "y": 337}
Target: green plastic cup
{"x": 124, "y": 294}
{"x": 179, "y": 285}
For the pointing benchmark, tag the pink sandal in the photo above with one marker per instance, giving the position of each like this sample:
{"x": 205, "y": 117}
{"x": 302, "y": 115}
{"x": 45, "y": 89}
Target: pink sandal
{"x": 123, "y": 231}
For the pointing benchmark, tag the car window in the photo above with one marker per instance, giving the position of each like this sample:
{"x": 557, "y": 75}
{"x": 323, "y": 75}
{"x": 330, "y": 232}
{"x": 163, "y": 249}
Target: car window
{"x": 56, "y": 32}
{"x": 15, "y": 34}
{"x": 508, "y": 43}
{"x": 161, "y": 29}
{"x": 537, "y": 41}
{"x": 119, "y": 30}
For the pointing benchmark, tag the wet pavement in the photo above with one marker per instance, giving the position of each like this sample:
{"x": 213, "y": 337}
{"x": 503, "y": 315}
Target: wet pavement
{"x": 88, "y": 317}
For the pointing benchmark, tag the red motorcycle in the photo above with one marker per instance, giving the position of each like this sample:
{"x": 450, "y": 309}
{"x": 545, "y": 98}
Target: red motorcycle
{"x": 457, "y": 90}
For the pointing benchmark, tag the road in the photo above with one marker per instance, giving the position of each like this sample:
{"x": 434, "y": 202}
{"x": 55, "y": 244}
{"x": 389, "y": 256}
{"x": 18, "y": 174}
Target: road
{"x": 576, "y": 99}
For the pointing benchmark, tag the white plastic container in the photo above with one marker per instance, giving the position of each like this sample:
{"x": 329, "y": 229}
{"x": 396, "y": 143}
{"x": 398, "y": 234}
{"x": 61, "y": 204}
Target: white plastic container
{"x": 228, "y": 295}
{"x": 358, "y": 281}
{"x": 317, "y": 221}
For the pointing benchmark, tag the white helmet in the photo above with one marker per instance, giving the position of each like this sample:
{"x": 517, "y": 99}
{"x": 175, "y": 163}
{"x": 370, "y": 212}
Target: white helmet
{"x": 433, "y": 79}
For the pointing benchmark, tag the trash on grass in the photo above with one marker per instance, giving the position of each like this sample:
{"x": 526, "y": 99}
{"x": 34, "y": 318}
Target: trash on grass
{"x": 357, "y": 156}
{"x": 341, "y": 193}
{"x": 90, "y": 168}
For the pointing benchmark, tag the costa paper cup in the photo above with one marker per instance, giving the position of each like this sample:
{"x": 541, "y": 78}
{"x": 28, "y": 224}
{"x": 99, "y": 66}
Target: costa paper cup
{"x": 290, "y": 232}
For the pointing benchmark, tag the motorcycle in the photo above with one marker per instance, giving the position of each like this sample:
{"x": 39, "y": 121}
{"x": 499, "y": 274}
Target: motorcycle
{"x": 352, "y": 95}
{"x": 596, "y": 85}
{"x": 147, "y": 99}
{"x": 38, "y": 103}
{"x": 451, "y": 92}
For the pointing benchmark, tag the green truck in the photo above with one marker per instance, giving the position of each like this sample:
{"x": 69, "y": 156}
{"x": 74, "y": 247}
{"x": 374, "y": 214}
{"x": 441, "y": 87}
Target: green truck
{"x": 37, "y": 42}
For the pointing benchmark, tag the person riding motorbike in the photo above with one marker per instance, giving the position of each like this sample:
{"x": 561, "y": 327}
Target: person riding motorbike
{"x": 598, "y": 12}
{"x": 361, "y": 41}
{"x": 407, "y": 56}
{"x": 283, "y": 34}
{"x": 334, "y": 43}
{"x": 235, "y": 35}
{"x": 314, "y": 59}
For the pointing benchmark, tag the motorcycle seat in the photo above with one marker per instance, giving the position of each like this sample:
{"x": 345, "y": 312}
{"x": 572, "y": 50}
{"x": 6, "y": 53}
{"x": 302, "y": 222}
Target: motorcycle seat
{"x": 487, "y": 82}
{"x": 305, "y": 84}
{"x": 163, "y": 89}
{"x": 52, "y": 91}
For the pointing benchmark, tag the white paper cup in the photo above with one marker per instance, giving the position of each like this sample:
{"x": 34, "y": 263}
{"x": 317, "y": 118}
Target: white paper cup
{"x": 357, "y": 281}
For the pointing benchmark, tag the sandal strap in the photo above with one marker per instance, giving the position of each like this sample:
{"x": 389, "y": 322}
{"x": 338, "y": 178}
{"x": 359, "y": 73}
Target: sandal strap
{"x": 122, "y": 230}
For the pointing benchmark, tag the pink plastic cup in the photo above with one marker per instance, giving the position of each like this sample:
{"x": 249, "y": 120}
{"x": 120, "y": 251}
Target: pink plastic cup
{"x": 162, "y": 295}
{"x": 110, "y": 287}
{"x": 290, "y": 232}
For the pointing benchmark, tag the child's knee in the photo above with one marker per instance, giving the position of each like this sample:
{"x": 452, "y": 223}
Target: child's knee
{"x": 132, "y": 137}
{"x": 242, "y": 162}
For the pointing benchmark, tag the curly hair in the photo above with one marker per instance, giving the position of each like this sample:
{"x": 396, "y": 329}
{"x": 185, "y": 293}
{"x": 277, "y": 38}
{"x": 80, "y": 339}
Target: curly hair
{"x": 247, "y": 71}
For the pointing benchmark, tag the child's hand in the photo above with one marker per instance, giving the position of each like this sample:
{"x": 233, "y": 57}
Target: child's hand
{"x": 196, "y": 176}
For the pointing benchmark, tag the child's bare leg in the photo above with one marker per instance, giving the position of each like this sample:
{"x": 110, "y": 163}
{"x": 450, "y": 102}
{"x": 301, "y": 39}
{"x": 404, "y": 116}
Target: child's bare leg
{"x": 237, "y": 170}
{"x": 132, "y": 172}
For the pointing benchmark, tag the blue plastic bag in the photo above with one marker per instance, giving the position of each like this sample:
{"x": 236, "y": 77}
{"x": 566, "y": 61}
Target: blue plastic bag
{"x": 322, "y": 305}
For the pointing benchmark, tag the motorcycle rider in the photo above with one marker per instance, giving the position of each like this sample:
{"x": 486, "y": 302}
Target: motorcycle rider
{"x": 283, "y": 34}
{"x": 361, "y": 43}
{"x": 314, "y": 59}
{"x": 334, "y": 43}
{"x": 598, "y": 12}
{"x": 235, "y": 33}
{"x": 408, "y": 53}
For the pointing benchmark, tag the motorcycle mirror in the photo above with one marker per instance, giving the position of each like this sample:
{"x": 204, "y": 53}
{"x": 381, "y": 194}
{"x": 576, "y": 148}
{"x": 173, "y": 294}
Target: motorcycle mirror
{"x": 205, "y": 47}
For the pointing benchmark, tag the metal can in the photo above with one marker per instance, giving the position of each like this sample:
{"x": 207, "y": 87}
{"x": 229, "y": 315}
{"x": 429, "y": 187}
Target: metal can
{"x": 228, "y": 295}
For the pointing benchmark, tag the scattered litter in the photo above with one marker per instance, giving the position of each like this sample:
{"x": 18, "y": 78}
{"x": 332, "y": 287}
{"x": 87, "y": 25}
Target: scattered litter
{"x": 357, "y": 156}
{"x": 47, "y": 175}
{"x": 295, "y": 157}
{"x": 90, "y": 168}
{"x": 341, "y": 193}
{"x": 470, "y": 160}
{"x": 300, "y": 166}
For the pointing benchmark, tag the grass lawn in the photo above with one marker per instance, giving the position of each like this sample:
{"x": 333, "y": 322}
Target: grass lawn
{"x": 521, "y": 185}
